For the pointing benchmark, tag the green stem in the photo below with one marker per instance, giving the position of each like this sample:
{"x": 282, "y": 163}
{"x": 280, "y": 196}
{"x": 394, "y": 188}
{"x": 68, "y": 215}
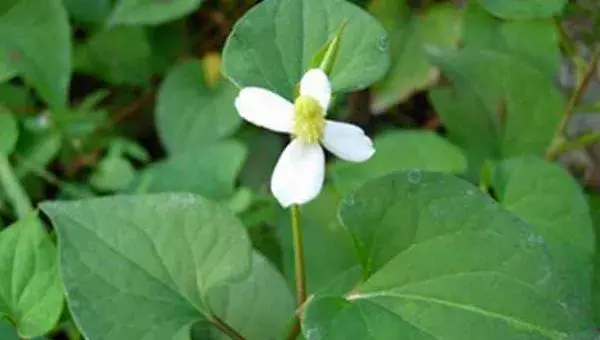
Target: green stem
{"x": 559, "y": 137}
{"x": 13, "y": 189}
{"x": 299, "y": 271}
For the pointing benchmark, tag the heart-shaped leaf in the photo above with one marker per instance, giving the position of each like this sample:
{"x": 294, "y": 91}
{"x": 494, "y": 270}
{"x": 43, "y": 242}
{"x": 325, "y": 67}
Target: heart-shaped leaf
{"x": 274, "y": 43}
{"x": 144, "y": 267}
{"x": 442, "y": 260}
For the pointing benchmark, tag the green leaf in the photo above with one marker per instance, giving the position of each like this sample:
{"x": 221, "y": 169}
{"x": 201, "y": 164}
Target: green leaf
{"x": 9, "y": 132}
{"x": 513, "y": 107}
{"x": 94, "y": 11}
{"x": 210, "y": 172}
{"x": 547, "y": 197}
{"x": 273, "y": 44}
{"x": 30, "y": 290}
{"x": 535, "y": 42}
{"x": 153, "y": 261}
{"x": 260, "y": 306}
{"x": 121, "y": 56}
{"x": 437, "y": 27}
{"x": 442, "y": 260}
{"x": 191, "y": 114}
{"x": 35, "y": 43}
{"x": 401, "y": 150}
{"x": 114, "y": 173}
{"x": 523, "y": 9}
{"x": 150, "y": 12}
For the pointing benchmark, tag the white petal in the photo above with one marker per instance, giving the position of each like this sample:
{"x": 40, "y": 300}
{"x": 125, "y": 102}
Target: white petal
{"x": 347, "y": 141}
{"x": 299, "y": 173}
{"x": 315, "y": 84}
{"x": 264, "y": 108}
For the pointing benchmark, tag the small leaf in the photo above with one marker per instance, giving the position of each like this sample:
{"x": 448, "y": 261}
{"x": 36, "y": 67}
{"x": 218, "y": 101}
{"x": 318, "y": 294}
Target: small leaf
{"x": 513, "y": 106}
{"x": 273, "y": 44}
{"x": 9, "y": 132}
{"x": 436, "y": 27}
{"x": 121, "y": 56}
{"x": 401, "y": 150}
{"x": 35, "y": 43}
{"x": 325, "y": 58}
{"x": 210, "y": 171}
{"x": 190, "y": 114}
{"x": 30, "y": 290}
{"x": 114, "y": 173}
{"x": 152, "y": 260}
{"x": 535, "y": 42}
{"x": 150, "y": 12}
{"x": 523, "y": 9}
{"x": 442, "y": 260}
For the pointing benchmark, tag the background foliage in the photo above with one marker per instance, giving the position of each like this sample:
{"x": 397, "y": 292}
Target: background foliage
{"x": 477, "y": 218}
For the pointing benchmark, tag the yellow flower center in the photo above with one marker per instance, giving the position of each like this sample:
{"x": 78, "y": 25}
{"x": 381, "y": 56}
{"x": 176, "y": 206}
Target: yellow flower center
{"x": 309, "y": 120}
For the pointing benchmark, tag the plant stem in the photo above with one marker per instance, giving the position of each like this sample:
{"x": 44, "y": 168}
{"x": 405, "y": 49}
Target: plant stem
{"x": 299, "y": 271}
{"x": 582, "y": 85}
{"x": 225, "y": 328}
{"x": 298, "y": 256}
{"x": 13, "y": 189}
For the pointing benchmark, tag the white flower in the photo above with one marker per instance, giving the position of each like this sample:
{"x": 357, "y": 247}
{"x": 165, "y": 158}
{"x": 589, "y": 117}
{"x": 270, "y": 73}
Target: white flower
{"x": 299, "y": 174}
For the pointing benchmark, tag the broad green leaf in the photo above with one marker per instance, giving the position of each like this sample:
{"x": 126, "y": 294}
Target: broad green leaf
{"x": 523, "y": 9}
{"x": 436, "y": 27}
{"x": 191, "y": 114}
{"x": 9, "y": 132}
{"x": 513, "y": 108}
{"x": 260, "y": 306}
{"x": 30, "y": 290}
{"x": 444, "y": 261}
{"x": 324, "y": 238}
{"x": 535, "y": 42}
{"x": 35, "y": 43}
{"x": 152, "y": 260}
{"x": 209, "y": 171}
{"x": 94, "y": 11}
{"x": 273, "y": 44}
{"x": 121, "y": 56}
{"x": 151, "y": 12}
{"x": 401, "y": 150}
